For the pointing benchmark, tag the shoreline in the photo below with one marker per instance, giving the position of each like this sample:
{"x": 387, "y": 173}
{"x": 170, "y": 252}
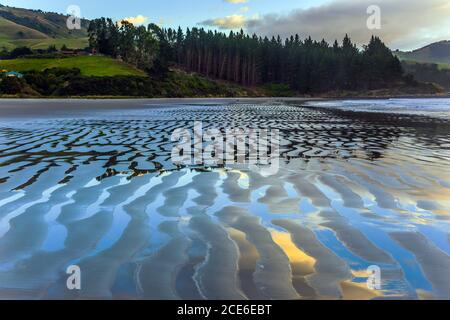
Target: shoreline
{"x": 225, "y": 99}
{"x": 41, "y": 108}
{"x": 67, "y": 107}
{"x": 245, "y": 98}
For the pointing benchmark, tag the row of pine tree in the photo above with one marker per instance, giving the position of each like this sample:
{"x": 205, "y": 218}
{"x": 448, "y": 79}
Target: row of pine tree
{"x": 306, "y": 66}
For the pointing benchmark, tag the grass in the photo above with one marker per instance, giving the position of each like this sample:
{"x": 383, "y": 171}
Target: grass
{"x": 444, "y": 66}
{"x": 441, "y": 66}
{"x": 279, "y": 90}
{"x": 74, "y": 43}
{"x": 12, "y": 31}
{"x": 99, "y": 66}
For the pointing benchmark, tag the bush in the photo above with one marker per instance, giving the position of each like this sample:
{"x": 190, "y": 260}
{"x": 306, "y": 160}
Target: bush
{"x": 279, "y": 90}
{"x": 16, "y": 53}
{"x": 429, "y": 72}
{"x": 11, "y": 85}
{"x": 70, "y": 82}
{"x": 50, "y": 81}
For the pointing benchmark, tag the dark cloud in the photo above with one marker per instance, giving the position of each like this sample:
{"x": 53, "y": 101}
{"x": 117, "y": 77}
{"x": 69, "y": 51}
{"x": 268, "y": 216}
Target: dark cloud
{"x": 405, "y": 23}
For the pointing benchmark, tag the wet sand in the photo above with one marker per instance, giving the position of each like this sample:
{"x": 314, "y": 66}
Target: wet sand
{"x": 91, "y": 183}
{"x": 20, "y": 108}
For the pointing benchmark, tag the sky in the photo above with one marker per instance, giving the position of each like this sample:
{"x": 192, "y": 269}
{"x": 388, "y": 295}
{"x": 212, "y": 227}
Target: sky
{"x": 404, "y": 24}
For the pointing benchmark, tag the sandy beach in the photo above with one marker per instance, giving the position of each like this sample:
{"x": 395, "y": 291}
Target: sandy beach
{"x": 92, "y": 183}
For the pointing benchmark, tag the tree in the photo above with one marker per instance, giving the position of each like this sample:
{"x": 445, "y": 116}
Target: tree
{"x": 381, "y": 65}
{"x": 306, "y": 66}
{"x": 11, "y": 85}
{"x": 135, "y": 45}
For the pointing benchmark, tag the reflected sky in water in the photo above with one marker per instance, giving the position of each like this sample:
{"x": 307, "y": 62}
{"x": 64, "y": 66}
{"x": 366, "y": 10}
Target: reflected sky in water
{"x": 97, "y": 188}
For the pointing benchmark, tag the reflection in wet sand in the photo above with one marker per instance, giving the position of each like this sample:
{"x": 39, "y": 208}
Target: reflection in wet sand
{"x": 100, "y": 191}
{"x": 357, "y": 291}
{"x": 301, "y": 263}
{"x": 434, "y": 262}
{"x": 248, "y": 259}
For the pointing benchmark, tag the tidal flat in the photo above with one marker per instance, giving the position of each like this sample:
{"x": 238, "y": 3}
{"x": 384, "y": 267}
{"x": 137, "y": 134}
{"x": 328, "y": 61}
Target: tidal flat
{"x": 360, "y": 183}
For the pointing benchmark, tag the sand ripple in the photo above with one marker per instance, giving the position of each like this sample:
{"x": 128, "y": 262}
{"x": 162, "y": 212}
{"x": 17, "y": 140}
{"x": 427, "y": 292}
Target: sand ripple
{"x": 100, "y": 191}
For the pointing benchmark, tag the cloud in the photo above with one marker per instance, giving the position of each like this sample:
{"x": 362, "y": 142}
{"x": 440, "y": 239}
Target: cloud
{"x": 236, "y": 1}
{"x": 244, "y": 9}
{"x": 137, "y": 20}
{"x": 234, "y": 21}
{"x": 404, "y": 23}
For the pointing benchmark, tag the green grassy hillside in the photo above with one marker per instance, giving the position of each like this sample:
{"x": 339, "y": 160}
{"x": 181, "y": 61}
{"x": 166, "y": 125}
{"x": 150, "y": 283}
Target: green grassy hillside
{"x": 74, "y": 43}
{"x": 444, "y": 66}
{"x": 89, "y": 65}
{"x": 13, "y": 31}
{"x": 38, "y": 29}
{"x": 49, "y": 23}
{"x": 441, "y": 66}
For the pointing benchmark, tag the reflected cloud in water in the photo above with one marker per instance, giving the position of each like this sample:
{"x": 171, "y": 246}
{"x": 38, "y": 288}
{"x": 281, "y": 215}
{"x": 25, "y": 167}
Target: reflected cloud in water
{"x": 354, "y": 189}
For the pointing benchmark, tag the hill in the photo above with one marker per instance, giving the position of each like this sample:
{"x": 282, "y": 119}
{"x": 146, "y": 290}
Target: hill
{"x": 429, "y": 72}
{"x": 38, "y": 29}
{"x": 14, "y": 31}
{"x": 438, "y": 53}
{"x": 99, "y": 66}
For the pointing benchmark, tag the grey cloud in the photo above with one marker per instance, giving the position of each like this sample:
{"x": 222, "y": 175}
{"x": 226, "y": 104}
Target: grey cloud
{"x": 405, "y": 23}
